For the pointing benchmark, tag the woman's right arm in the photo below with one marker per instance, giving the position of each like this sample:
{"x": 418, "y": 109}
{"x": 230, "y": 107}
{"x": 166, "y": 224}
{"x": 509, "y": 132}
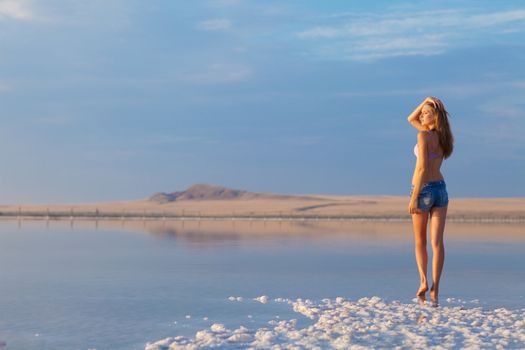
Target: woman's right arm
{"x": 413, "y": 118}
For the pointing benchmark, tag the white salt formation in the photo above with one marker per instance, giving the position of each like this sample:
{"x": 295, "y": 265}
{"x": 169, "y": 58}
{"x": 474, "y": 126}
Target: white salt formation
{"x": 262, "y": 299}
{"x": 367, "y": 324}
{"x": 232, "y": 298}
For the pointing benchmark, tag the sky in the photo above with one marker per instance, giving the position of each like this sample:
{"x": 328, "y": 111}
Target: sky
{"x": 106, "y": 100}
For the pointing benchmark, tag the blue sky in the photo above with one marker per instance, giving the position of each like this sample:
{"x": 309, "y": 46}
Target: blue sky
{"x": 117, "y": 99}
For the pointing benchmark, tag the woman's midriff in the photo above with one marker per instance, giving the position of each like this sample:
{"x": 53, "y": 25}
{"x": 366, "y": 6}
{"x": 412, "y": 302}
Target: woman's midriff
{"x": 431, "y": 175}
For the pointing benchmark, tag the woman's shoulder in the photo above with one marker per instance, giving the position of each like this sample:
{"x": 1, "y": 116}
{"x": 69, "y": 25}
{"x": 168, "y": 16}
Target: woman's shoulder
{"x": 424, "y": 135}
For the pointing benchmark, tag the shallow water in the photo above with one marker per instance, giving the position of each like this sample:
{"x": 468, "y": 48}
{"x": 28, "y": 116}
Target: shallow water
{"x": 89, "y": 285}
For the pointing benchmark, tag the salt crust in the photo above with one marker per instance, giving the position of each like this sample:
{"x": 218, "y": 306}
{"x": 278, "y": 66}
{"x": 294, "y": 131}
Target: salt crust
{"x": 262, "y": 299}
{"x": 369, "y": 323}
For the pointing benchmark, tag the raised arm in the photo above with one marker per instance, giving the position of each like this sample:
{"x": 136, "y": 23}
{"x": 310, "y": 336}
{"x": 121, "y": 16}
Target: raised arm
{"x": 413, "y": 118}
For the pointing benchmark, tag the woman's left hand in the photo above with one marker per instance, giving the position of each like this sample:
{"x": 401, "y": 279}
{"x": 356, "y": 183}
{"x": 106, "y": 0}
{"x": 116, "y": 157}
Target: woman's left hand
{"x": 412, "y": 208}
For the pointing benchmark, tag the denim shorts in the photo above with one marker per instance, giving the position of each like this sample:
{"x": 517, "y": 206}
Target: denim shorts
{"x": 433, "y": 194}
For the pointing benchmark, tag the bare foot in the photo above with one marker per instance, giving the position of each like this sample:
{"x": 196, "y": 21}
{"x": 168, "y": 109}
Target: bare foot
{"x": 434, "y": 296}
{"x": 422, "y": 290}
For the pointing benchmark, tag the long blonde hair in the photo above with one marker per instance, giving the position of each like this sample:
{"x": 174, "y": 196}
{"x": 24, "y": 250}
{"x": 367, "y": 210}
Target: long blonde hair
{"x": 446, "y": 139}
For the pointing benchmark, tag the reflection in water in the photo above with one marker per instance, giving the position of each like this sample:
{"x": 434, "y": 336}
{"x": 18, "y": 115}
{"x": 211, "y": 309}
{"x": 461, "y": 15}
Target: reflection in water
{"x": 81, "y": 277}
{"x": 245, "y": 231}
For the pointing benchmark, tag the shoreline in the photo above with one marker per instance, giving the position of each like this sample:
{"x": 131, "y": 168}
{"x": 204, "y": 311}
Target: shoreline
{"x": 62, "y": 216}
{"x": 198, "y": 229}
{"x": 320, "y": 208}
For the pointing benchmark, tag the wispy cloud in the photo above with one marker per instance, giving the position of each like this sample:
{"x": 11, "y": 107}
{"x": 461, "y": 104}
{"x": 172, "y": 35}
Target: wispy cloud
{"x": 221, "y": 74}
{"x": 463, "y": 90}
{"x": 492, "y": 19}
{"x": 218, "y": 24}
{"x": 369, "y": 36}
{"x": 16, "y": 10}
{"x": 509, "y": 107}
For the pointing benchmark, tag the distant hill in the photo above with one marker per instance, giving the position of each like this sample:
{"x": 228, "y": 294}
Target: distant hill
{"x": 212, "y": 192}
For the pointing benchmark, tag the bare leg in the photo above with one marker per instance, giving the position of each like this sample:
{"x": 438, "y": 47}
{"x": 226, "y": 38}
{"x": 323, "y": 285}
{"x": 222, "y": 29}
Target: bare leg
{"x": 437, "y": 228}
{"x": 419, "y": 222}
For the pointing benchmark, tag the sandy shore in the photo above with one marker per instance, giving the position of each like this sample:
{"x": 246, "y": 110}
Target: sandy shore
{"x": 313, "y": 206}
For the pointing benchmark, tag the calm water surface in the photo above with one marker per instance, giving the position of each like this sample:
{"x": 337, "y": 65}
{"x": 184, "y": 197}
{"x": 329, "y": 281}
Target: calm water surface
{"x": 117, "y": 286}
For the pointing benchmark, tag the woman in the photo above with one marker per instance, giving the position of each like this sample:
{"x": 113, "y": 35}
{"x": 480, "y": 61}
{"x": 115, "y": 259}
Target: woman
{"x": 429, "y": 196}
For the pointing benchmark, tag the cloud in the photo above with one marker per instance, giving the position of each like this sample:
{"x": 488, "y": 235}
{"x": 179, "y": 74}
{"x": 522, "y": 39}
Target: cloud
{"x": 16, "y": 10}
{"x": 497, "y": 18}
{"x": 215, "y": 24}
{"x": 376, "y": 48}
{"x": 464, "y": 90}
{"x": 221, "y": 74}
{"x": 369, "y": 36}
{"x": 320, "y": 32}
{"x": 508, "y": 106}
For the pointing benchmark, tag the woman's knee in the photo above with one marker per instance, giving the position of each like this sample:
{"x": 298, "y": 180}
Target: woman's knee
{"x": 421, "y": 242}
{"x": 437, "y": 244}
